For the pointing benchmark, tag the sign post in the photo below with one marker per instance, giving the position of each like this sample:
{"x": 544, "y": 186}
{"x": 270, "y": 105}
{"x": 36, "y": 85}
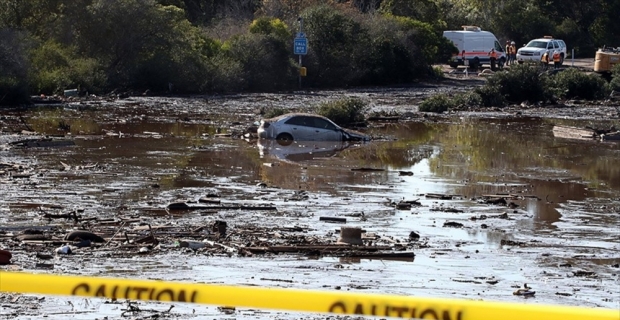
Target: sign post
{"x": 300, "y": 46}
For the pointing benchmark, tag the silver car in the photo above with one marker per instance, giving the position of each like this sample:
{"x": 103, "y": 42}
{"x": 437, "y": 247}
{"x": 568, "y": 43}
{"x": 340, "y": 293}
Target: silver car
{"x": 305, "y": 127}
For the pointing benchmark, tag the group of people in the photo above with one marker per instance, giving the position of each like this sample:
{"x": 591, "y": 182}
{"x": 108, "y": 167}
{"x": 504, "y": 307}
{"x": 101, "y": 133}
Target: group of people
{"x": 547, "y": 57}
{"x": 511, "y": 53}
{"x": 511, "y": 57}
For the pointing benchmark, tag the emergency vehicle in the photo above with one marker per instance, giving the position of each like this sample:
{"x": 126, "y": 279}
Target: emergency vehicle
{"x": 474, "y": 45}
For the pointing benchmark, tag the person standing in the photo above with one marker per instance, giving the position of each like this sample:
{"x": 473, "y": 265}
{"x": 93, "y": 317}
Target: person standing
{"x": 493, "y": 56}
{"x": 513, "y": 52}
{"x": 556, "y": 60}
{"x": 508, "y": 53}
{"x": 544, "y": 60}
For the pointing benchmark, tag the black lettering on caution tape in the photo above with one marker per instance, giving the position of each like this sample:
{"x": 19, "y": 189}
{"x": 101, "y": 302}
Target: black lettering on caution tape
{"x": 394, "y": 311}
{"x": 136, "y": 292}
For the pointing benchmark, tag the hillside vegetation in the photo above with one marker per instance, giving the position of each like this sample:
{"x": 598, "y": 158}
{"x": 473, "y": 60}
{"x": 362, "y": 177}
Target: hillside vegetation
{"x": 203, "y": 46}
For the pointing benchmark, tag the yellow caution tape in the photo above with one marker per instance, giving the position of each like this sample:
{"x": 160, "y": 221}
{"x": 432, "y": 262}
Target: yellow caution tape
{"x": 294, "y": 300}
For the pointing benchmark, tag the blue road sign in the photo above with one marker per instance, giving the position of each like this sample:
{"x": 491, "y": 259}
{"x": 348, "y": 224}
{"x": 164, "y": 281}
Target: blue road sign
{"x": 300, "y": 46}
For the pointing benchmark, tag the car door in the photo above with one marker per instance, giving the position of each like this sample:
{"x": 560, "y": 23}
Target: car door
{"x": 301, "y": 127}
{"x": 325, "y": 130}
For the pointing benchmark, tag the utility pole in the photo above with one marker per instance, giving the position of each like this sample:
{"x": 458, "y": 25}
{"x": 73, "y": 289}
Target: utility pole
{"x": 300, "y": 48}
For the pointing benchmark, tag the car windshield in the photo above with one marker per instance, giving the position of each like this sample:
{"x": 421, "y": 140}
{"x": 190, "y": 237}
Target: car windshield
{"x": 537, "y": 44}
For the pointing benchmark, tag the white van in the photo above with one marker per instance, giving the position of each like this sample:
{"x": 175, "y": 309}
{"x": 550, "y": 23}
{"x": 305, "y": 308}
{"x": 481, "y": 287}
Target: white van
{"x": 474, "y": 46}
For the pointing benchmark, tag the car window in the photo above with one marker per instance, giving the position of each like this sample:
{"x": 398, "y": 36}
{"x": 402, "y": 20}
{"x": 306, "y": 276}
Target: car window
{"x": 556, "y": 45}
{"x": 299, "y": 121}
{"x": 562, "y": 43}
{"x": 549, "y": 45}
{"x": 537, "y": 44}
{"x": 323, "y": 124}
{"x": 498, "y": 47}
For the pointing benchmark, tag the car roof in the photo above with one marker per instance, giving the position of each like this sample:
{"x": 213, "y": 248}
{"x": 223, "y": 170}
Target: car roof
{"x": 546, "y": 39}
{"x": 294, "y": 114}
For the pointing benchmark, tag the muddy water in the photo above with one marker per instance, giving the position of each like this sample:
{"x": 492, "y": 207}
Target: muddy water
{"x": 564, "y": 219}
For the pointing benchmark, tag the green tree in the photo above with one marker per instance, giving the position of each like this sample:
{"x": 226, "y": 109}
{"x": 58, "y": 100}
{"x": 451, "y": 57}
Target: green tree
{"x": 265, "y": 59}
{"x": 13, "y": 67}
{"x": 337, "y": 45}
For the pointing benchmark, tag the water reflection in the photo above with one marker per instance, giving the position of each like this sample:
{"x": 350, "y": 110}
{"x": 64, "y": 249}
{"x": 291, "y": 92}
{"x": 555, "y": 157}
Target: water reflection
{"x": 301, "y": 150}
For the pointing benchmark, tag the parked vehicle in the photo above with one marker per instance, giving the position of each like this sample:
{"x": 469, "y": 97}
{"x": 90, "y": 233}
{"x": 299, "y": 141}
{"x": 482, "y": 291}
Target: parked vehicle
{"x": 534, "y": 49}
{"x": 606, "y": 59}
{"x": 474, "y": 46}
{"x": 305, "y": 127}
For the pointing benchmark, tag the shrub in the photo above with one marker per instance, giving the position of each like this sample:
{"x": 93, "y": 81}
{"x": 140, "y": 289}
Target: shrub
{"x": 225, "y": 75}
{"x": 437, "y": 103}
{"x": 572, "y": 83}
{"x": 273, "y": 112}
{"x": 338, "y": 50}
{"x": 344, "y": 111}
{"x": 521, "y": 83}
{"x": 13, "y": 67}
{"x": 265, "y": 60}
{"x": 491, "y": 95}
{"x": 615, "y": 78}
{"x": 270, "y": 26}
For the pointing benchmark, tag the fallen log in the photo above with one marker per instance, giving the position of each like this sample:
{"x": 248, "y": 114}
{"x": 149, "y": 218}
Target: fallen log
{"x": 320, "y": 248}
{"x": 574, "y": 133}
{"x": 379, "y": 118}
{"x": 333, "y": 219}
{"x": 380, "y": 255}
{"x": 368, "y": 169}
{"x": 439, "y": 196}
{"x": 185, "y": 206}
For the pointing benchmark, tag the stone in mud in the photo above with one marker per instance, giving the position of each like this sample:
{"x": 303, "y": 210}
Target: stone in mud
{"x": 414, "y": 236}
{"x": 83, "y": 235}
{"x": 453, "y": 224}
{"x": 178, "y": 206}
{"x": 351, "y": 235}
{"x": 5, "y": 257}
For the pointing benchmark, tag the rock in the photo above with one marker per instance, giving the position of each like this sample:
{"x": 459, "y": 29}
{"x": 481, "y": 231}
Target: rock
{"x": 63, "y": 250}
{"x": 351, "y": 235}
{"x": 191, "y": 244}
{"x": 453, "y": 224}
{"x": 5, "y": 257}
{"x": 414, "y": 236}
{"x": 178, "y": 206}
{"x": 83, "y": 235}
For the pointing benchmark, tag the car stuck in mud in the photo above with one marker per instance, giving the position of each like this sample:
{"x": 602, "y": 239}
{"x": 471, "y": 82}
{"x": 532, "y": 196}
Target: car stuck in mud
{"x": 305, "y": 127}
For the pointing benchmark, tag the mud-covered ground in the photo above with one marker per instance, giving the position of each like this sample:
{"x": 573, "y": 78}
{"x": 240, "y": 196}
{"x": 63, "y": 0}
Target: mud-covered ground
{"x": 471, "y": 204}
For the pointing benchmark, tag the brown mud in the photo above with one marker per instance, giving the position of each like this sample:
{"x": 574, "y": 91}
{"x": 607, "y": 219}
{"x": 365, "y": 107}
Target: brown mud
{"x": 470, "y": 204}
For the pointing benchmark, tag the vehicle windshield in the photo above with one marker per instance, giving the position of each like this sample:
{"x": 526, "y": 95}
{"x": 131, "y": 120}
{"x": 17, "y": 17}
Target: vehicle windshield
{"x": 537, "y": 44}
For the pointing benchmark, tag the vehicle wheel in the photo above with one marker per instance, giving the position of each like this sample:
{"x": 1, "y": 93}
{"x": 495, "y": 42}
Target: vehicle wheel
{"x": 475, "y": 63}
{"x": 284, "y": 139}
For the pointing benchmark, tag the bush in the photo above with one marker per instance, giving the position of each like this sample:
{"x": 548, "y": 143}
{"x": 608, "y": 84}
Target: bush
{"x": 265, "y": 60}
{"x": 572, "y": 83}
{"x": 273, "y": 112}
{"x": 437, "y": 103}
{"x": 521, "y": 83}
{"x": 338, "y": 51}
{"x": 615, "y": 78}
{"x": 13, "y": 67}
{"x": 271, "y": 26}
{"x": 344, "y": 111}
{"x": 225, "y": 75}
